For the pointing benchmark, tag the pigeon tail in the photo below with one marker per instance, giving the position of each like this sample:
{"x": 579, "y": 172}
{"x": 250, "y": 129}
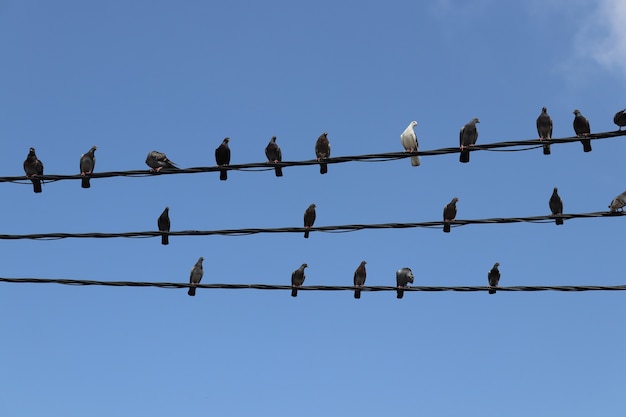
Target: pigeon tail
{"x": 192, "y": 291}
{"x": 323, "y": 168}
{"x": 446, "y": 227}
{"x": 306, "y": 234}
{"x": 400, "y": 294}
{"x": 85, "y": 182}
{"x": 36, "y": 185}
{"x": 294, "y": 292}
{"x": 415, "y": 161}
{"x": 546, "y": 149}
{"x": 165, "y": 239}
{"x": 559, "y": 221}
{"x": 465, "y": 156}
{"x": 223, "y": 174}
{"x": 492, "y": 291}
{"x": 586, "y": 145}
{"x": 357, "y": 294}
{"x": 279, "y": 171}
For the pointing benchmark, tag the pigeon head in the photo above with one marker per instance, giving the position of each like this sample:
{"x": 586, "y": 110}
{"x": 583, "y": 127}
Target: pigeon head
{"x": 544, "y": 110}
{"x": 475, "y": 120}
{"x": 577, "y": 112}
{"x": 413, "y": 123}
{"x": 226, "y": 140}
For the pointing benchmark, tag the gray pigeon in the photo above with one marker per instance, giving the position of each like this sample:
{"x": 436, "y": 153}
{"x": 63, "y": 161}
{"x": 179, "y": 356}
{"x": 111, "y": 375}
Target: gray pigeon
{"x": 403, "y": 277}
{"x": 494, "y": 278}
{"x": 33, "y": 167}
{"x": 222, "y": 157}
{"x": 620, "y": 118}
{"x": 544, "y": 129}
{"x": 322, "y": 151}
{"x": 273, "y": 154}
{"x": 195, "y": 276}
{"x": 618, "y": 203}
{"x": 449, "y": 214}
{"x": 582, "y": 129}
{"x": 359, "y": 279}
{"x": 297, "y": 279}
{"x": 309, "y": 219}
{"x": 467, "y": 138}
{"x": 409, "y": 141}
{"x": 164, "y": 226}
{"x": 87, "y": 164}
{"x": 556, "y": 206}
{"x": 158, "y": 160}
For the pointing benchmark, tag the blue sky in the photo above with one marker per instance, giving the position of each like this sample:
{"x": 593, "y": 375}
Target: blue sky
{"x": 177, "y": 77}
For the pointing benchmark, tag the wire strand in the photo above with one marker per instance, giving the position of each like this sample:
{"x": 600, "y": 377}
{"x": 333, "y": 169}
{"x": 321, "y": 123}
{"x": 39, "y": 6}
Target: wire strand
{"x": 266, "y": 166}
{"x": 327, "y": 229}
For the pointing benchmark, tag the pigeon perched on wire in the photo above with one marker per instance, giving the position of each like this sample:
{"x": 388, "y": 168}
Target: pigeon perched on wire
{"x": 297, "y": 279}
{"x": 493, "y": 277}
{"x": 582, "y": 129}
{"x": 544, "y": 129}
{"x": 33, "y": 168}
{"x": 309, "y": 219}
{"x": 409, "y": 142}
{"x": 274, "y": 155}
{"x": 322, "y": 151}
{"x": 87, "y": 164}
{"x": 158, "y": 161}
{"x": 620, "y": 118}
{"x": 164, "y": 226}
{"x": 556, "y": 206}
{"x": 359, "y": 279}
{"x": 404, "y": 276}
{"x": 449, "y": 214}
{"x": 222, "y": 158}
{"x": 618, "y": 203}
{"x": 195, "y": 276}
{"x": 467, "y": 138}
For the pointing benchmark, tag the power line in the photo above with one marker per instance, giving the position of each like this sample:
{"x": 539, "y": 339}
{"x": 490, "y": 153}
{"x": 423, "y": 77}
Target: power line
{"x": 375, "y": 288}
{"x": 327, "y": 229}
{"x": 381, "y": 157}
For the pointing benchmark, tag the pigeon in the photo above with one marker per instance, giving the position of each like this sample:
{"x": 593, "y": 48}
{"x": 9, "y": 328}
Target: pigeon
{"x": 544, "y": 129}
{"x": 33, "y": 167}
{"x": 409, "y": 141}
{"x": 403, "y": 277}
{"x": 195, "y": 276}
{"x": 494, "y": 278}
{"x": 620, "y": 118}
{"x": 322, "y": 151}
{"x": 87, "y": 164}
{"x": 164, "y": 226}
{"x": 556, "y": 206}
{"x": 468, "y": 137}
{"x": 359, "y": 279}
{"x": 309, "y": 219}
{"x": 618, "y": 203}
{"x": 273, "y": 154}
{"x": 581, "y": 127}
{"x": 297, "y": 279}
{"x": 158, "y": 160}
{"x": 449, "y": 214}
{"x": 222, "y": 157}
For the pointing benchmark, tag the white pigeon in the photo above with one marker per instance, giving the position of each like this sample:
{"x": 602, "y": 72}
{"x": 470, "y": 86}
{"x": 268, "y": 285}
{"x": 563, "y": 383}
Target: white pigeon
{"x": 618, "y": 203}
{"x": 409, "y": 141}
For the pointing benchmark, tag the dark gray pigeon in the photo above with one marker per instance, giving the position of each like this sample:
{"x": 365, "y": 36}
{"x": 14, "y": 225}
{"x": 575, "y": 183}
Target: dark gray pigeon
{"x": 449, "y": 214}
{"x": 494, "y": 278}
{"x": 158, "y": 160}
{"x": 164, "y": 226}
{"x": 618, "y": 203}
{"x": 359, "y": 279}
{"x": 404, "y": 276}
{"x": 556, "y": 206}
{"x": 620, "y": 118}
{"x": 544, "y": 129}
{"x": 309, "y": 219}
{"x": 273, "y": 154}
{"x": 195, "y": 276}
{"x": 582, "y": 129}
{"x": 87, "y": 164}
{"x": 297, "y": 279}
{"x": 467, "y": 138}
{"x": 222, "y": 157}
{"x": 322, "y": 151}
{"x": 409, "y": 142}
{"x": 33, "y": 167}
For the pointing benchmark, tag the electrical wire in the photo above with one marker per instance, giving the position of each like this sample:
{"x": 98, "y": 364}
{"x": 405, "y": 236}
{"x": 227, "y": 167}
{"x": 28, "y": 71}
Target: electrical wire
{"x": 375, "y": 288}
{"x": 265, "y": 166}
{"x": 327, "y": 229}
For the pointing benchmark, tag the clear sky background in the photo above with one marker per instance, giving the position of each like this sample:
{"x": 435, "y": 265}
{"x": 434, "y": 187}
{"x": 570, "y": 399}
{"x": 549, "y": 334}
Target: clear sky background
{"x": 132, "y": 76}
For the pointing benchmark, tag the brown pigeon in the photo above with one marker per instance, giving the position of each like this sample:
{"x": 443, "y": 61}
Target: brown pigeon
{"x": 494, "y": 278}
{"x": 87, "y": 164}
{"x": 297, "y": 279}
{"x": 359, "y": 279}
{"x": 273, "y": 154}
{"x": 158, "y": 160}
{"x": 544, "y": 129}
{"x": 449, "y": 214}
{"x": 33, "y": 167}
{"x": 164, "y": 226}
{"x": 222, "y": 157}
{"x": 309, "y": 219}
{"x": 322, "y": 151}
{"x": 467, "y": 138}
{"x": 556, "y": 206}
{"x": 195, "y": 276}
{"x": 582, "y": 129}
